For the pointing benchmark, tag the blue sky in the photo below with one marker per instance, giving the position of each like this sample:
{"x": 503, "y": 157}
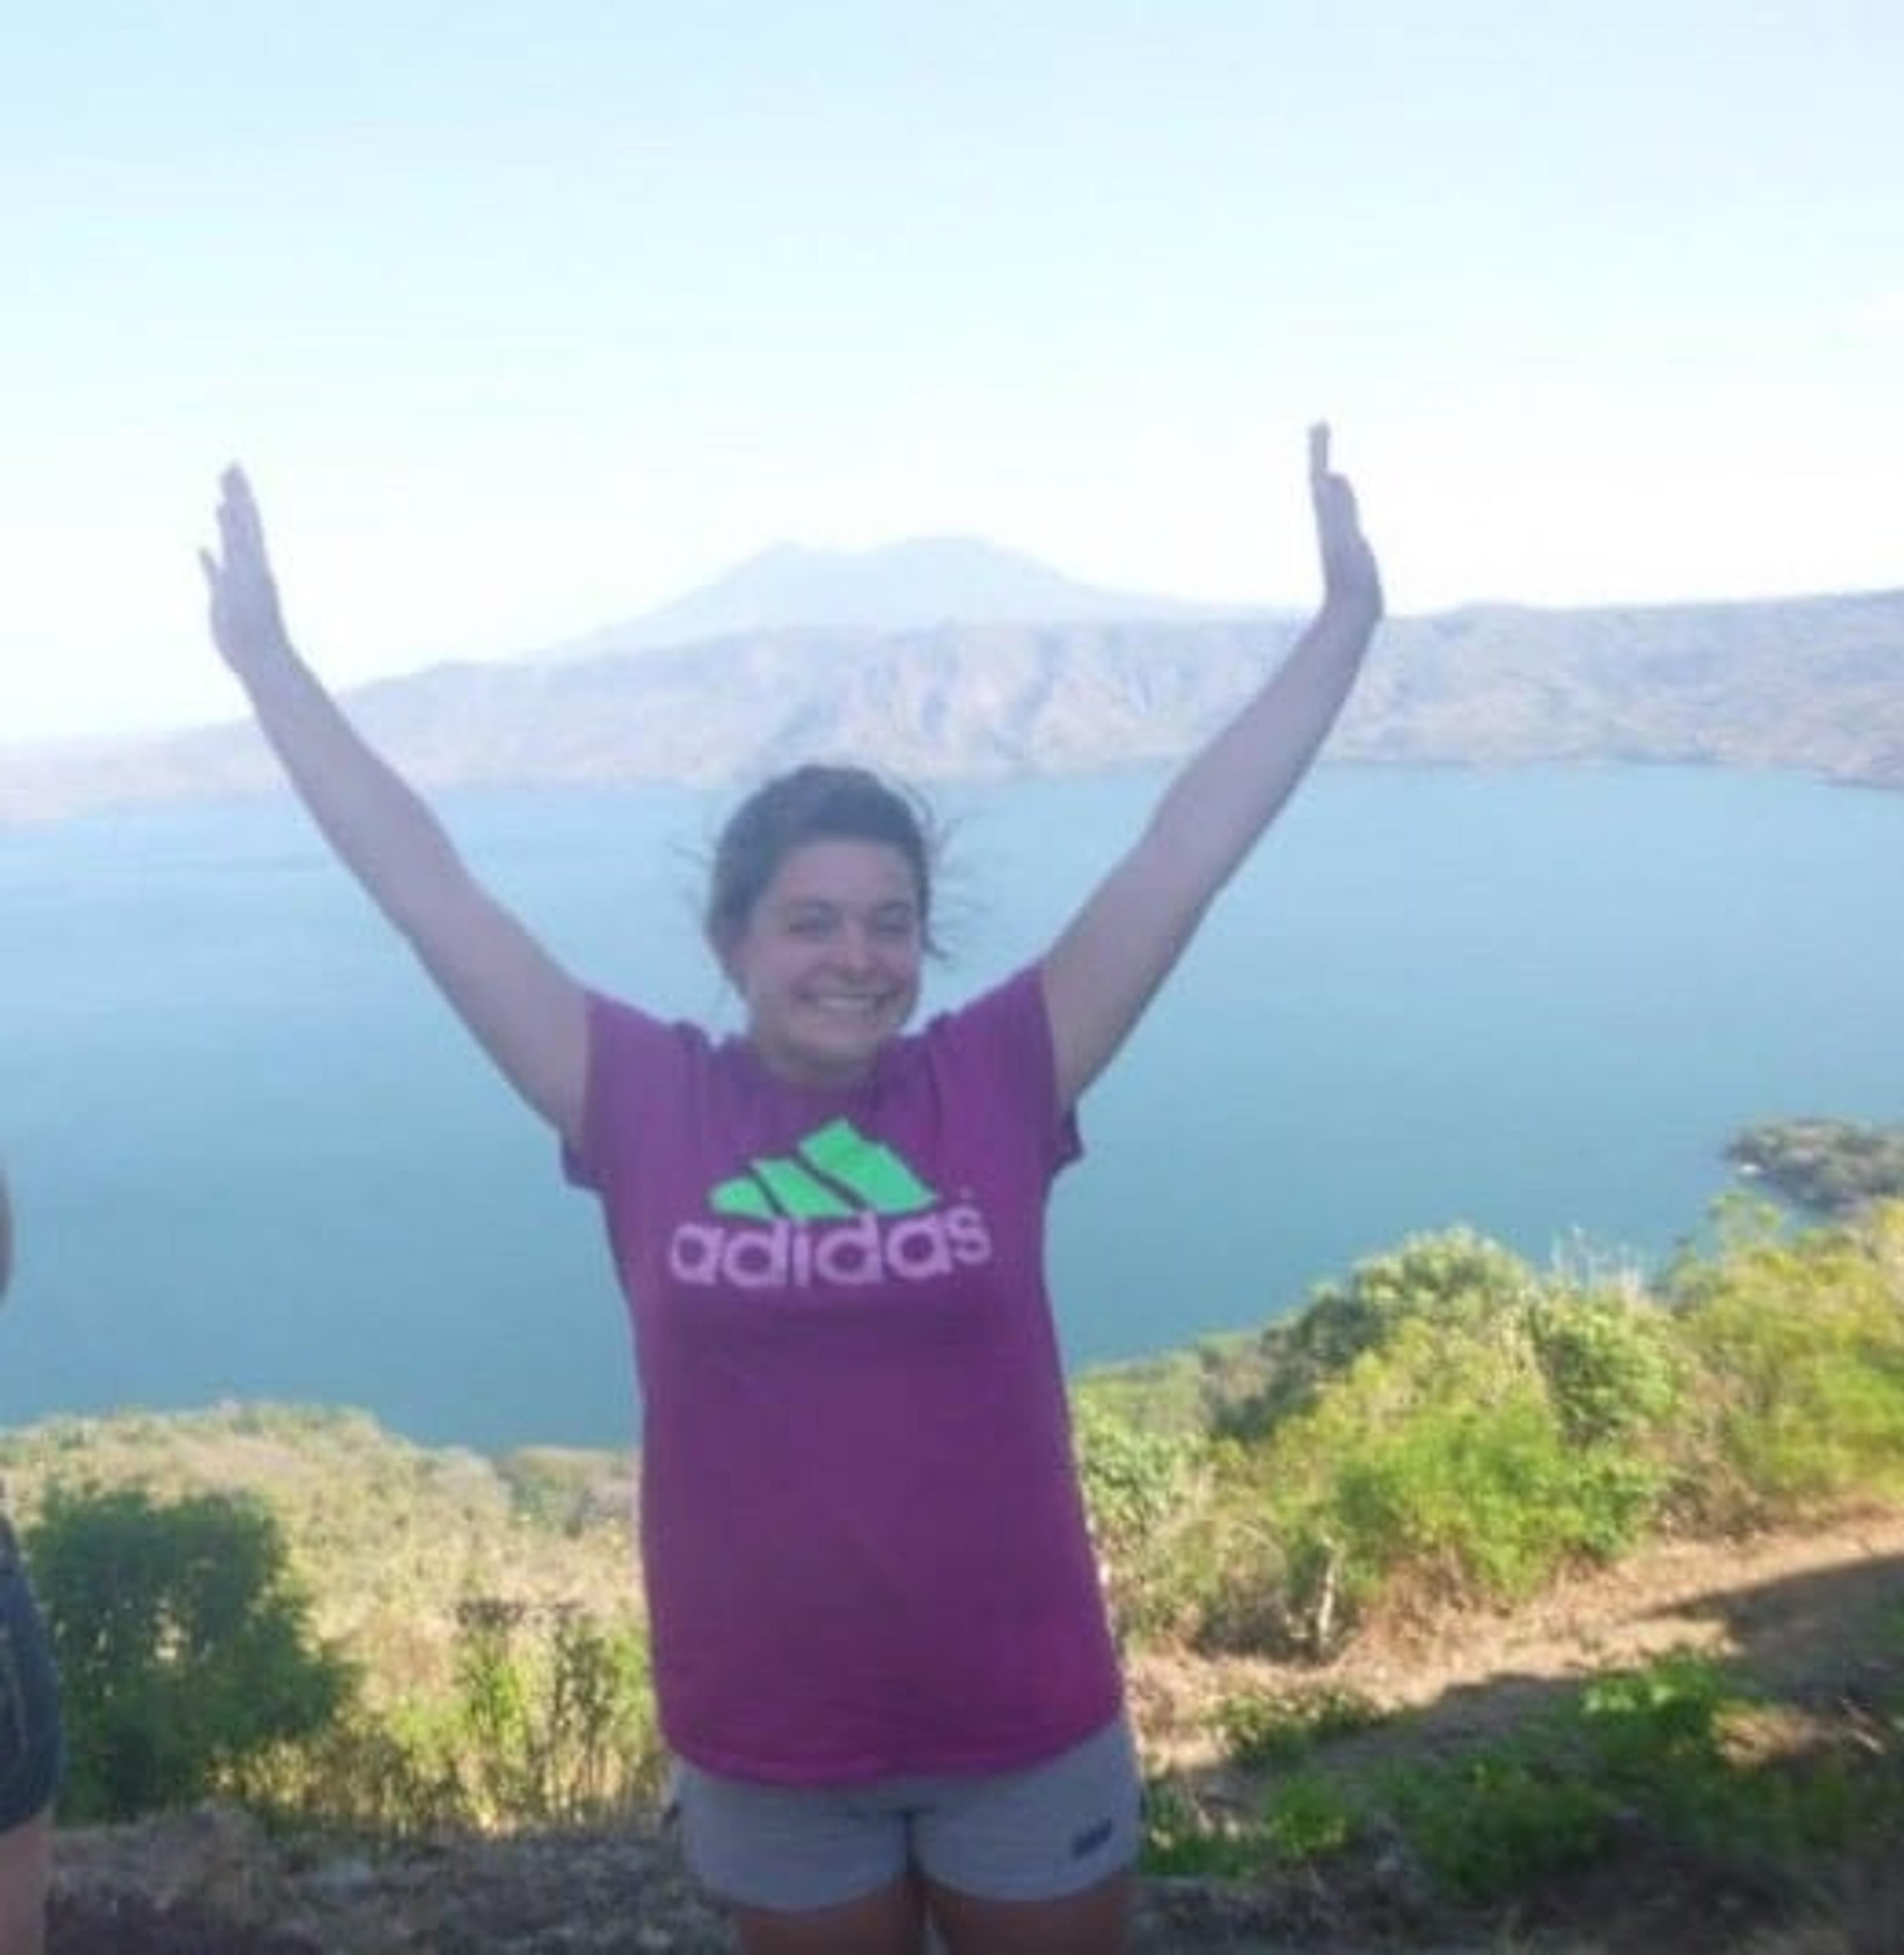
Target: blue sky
{"x": 528, "y": 318}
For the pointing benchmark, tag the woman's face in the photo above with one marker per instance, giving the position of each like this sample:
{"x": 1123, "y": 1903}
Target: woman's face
{"x": 828, "y": 962}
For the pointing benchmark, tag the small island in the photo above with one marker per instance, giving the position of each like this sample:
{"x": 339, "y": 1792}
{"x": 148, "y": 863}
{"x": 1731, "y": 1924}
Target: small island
{"x": 1828, "y": 1167}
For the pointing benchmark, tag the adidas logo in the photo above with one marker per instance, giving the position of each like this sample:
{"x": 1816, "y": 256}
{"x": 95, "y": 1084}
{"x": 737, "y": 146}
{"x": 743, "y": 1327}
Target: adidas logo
{"x": 840, "y": 1210}
{"x": 835, "y": 1171}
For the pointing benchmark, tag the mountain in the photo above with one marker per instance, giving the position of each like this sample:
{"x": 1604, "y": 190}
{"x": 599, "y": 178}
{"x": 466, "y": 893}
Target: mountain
{"x": 898, "y": 586}
{"x": 1005, "y": 668}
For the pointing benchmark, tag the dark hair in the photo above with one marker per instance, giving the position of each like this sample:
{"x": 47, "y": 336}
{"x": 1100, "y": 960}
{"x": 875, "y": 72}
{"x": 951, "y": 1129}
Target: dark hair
{"x": 811, "y": 804}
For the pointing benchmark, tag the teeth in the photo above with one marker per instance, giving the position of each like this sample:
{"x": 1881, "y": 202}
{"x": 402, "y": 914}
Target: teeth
{"x": 850, "y": 1008}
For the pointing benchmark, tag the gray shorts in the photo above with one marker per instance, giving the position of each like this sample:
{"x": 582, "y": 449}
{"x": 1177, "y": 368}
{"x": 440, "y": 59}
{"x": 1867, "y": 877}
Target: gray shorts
{"x": 1050, "y": 1830}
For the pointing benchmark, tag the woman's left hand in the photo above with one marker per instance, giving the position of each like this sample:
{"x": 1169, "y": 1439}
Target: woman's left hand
{"x": 1351, "y": 579}
{"x": 247, "y": 626}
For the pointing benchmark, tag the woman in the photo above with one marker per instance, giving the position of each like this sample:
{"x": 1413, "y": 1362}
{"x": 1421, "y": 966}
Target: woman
{"x": 30, "y": 1725}
{"x": 880, "y": 1652}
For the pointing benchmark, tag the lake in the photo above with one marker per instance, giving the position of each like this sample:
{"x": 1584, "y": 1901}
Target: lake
{"x": 254, "y": 1159}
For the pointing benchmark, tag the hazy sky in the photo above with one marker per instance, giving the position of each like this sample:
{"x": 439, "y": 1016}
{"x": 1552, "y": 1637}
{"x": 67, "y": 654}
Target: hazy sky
{"x": 527, "y": 318}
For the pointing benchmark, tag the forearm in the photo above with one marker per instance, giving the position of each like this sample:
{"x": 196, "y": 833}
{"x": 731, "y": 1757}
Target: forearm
{"x": 382, "y": 830}
{"x": 1110, "y": 959}
{"x": 1228, "y": 793}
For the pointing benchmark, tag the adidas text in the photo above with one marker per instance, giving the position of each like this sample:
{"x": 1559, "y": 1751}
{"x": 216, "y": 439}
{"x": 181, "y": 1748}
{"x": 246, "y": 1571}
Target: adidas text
{"x": 785, "y": 1254}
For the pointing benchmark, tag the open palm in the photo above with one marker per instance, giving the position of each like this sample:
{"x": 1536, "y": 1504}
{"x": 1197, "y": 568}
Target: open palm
{"x": 247, "y": 622}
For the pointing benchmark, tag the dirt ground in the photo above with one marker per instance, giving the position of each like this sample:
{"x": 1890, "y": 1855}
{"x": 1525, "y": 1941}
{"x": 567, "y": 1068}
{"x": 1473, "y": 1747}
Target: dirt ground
{"x": 1797, "y": 1607}
{"x": 1818, "y": 1614}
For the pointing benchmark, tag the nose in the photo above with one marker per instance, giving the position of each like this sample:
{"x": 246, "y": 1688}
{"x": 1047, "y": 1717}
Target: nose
{"x": 855, "y": 949}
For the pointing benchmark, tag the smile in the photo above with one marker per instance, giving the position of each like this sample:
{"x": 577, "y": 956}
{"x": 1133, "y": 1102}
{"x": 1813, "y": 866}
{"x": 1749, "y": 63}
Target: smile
{"x": 855, "y": 1005}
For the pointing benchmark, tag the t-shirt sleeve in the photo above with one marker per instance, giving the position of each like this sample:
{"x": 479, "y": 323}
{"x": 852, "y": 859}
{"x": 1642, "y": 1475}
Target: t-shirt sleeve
{"x": 1004, "y": 1036}
{"x": 630, "y": 1056}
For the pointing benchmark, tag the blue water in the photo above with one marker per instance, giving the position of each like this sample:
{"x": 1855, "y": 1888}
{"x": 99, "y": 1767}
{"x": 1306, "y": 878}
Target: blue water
{"x": 254, "y": 1159}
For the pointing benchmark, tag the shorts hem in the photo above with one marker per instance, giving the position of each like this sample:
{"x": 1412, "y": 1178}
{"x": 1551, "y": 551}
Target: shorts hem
{"x": 1062, "y": 1888}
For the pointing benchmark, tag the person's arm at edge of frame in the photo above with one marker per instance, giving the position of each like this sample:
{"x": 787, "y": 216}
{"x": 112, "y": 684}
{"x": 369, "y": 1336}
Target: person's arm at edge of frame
{"x": 524, "y": 1010}
{"x": 1107, "y": 963}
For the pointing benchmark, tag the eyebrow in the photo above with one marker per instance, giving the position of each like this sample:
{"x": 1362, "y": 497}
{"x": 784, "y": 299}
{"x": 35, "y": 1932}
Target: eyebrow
{"x": 887, "y": 908}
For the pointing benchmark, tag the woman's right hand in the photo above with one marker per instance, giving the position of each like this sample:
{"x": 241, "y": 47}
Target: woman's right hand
{"x": 247, "y": 626}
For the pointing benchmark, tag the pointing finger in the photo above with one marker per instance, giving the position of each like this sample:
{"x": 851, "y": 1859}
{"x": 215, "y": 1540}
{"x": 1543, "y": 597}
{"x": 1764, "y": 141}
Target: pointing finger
{"x": 1318, "y": 451}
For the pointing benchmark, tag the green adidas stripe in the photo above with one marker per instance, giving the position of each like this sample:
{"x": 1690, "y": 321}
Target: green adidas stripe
{"x": 803, "y": 1196}
{"x": 743, "y": 1196}
{"x": 834, "y": 1157}
{"x": 869, "y": 1168}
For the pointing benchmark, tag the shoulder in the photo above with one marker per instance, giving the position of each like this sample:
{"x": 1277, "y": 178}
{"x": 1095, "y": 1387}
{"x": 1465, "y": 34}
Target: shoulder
{"x": 1001, "y": 1021}
{"x": 642, "y": 1070}
{"x": 999, "y": 1045}
{"x": 618, "y": 1030}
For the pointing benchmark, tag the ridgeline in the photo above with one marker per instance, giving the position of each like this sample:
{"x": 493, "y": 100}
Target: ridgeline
{"x": 1813, "y": 685}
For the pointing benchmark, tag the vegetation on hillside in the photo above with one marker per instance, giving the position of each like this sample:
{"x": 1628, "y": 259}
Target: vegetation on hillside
{"x": 1444, "y": 1429}
{"x": 1449, "y": 1430}
{"x": 475, "y": 1620}
{"x": 183, "y": 1646}
{"x": 1449, "y": 1427}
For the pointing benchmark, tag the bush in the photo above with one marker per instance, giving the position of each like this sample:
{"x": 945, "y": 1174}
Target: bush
{"x": 1799, "y": 1343}
{"x": 1457, "y": 1280}
{"x": 1284, "y": 1726}
{"x": 1500, "y": 1821}
{"x": 553, "y": 1722}
{"x": 1613, "y": 1371}
{"x": 1139, "y": 1488}
{"x": 1439, "y": 1466}
{"x": 184, "y": 1649}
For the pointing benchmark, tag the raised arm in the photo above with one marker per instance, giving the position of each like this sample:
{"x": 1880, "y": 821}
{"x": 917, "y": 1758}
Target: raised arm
{"x": 524, "y": 1010}
{"x": 1109, "y": 960}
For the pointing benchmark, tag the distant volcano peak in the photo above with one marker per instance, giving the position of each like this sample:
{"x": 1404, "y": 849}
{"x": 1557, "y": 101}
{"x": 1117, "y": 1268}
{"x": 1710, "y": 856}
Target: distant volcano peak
{"x": 909, "y": 585}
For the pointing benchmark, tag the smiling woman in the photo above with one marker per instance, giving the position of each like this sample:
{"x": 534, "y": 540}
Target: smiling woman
{"x": 881, "y": 1652}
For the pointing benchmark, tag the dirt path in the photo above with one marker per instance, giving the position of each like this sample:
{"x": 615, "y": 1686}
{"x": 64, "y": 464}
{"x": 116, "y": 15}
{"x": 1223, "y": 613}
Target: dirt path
{"x": 1798, "y": 1608}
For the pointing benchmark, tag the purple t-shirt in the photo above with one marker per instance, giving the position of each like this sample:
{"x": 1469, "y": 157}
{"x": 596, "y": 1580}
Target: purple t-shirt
{"x": 863, "y": 1536}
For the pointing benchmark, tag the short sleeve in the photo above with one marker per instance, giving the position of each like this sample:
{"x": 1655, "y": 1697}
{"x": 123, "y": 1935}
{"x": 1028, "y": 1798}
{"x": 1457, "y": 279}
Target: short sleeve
{"x": 1004, "y": 1036}
{"x": 631, "y": 1058}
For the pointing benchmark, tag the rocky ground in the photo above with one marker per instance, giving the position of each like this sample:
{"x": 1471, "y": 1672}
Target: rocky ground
{"x": 1821, "y": 1615}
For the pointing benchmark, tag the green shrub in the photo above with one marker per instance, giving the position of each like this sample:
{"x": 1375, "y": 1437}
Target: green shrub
{"x": 1308, "y": 1816}
{"x": 1800, "y": 1344}
{"x": 1183, "y": 1837}
{"x": 391, "y": 1777}
{"x": 553, "y": 1721}
{"x": 1140, "y": 1493}
{"x": 1613, "y": 1366}
{"x": 1498, "y": 1822}
{"x": 1447, "y": 1427}
{"x": 1649, "y": 1749}
{"x": 1280, "y": 1726}
{"x": 1457, "y": 1280}
{"x": 184, "y": 1649}
{"x": 1440, "y": 1466}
